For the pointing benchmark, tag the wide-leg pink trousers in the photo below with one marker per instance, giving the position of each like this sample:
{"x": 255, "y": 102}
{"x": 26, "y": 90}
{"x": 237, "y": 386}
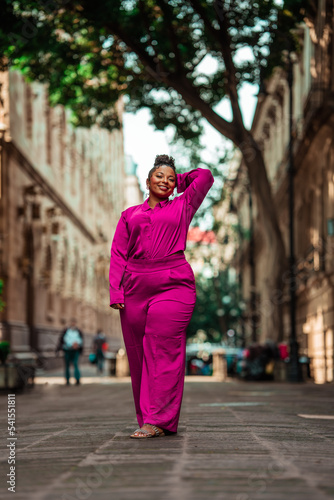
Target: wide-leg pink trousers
{"x": 159, "y": 300}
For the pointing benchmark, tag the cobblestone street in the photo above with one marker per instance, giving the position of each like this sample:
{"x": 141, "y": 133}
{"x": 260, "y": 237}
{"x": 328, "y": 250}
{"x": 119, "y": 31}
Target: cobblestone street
{"x": 236, "y": 441}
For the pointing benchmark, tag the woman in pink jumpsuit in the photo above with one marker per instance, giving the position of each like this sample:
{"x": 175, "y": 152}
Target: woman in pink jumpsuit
{"x": 153, "y": 286}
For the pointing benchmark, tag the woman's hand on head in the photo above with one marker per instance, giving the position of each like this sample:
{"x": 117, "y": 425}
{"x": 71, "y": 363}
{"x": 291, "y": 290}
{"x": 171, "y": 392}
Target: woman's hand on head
{"x": 117, "y": 306}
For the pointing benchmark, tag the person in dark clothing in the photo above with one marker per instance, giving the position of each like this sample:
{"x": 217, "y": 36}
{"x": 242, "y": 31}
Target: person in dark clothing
{"x": 71, "y": 342}
{"x": 98, "y": 342}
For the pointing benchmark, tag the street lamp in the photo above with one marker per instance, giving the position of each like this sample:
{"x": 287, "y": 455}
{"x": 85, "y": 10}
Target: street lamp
{"x": 252, "y": 266}
{"x": 233, "y": 209}
{"x": 294, "y": 368}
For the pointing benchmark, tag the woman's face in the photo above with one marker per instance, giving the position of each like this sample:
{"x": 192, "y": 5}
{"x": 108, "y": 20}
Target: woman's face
{"x": 162, "y": 182}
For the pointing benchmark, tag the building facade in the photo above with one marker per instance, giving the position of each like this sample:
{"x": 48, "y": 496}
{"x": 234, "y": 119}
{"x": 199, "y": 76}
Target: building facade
{"x": 62, "y": 191}
{"x": 313, "y": 152}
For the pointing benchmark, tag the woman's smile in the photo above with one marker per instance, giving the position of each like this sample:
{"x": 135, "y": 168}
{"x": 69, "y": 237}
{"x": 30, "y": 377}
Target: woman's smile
{"x": 162, "y": 181}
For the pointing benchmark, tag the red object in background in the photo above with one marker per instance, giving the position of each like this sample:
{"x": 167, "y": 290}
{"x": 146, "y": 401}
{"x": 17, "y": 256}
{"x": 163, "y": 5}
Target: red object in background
{"x": 283, "y": 350}
{"x": 104, "y": 346}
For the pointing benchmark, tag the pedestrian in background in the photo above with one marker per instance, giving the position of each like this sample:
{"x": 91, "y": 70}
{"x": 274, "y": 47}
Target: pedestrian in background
{"x": 153, "y": 286}
{"x": 71, "y": 342}
{"x": 99, "y": 344}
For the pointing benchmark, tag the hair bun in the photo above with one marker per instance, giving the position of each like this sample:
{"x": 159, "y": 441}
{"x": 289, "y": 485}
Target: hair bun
{"x": 164, "y": 160}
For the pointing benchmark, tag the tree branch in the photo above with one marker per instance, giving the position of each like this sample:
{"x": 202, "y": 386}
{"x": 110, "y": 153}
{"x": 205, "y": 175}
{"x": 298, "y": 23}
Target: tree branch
{"x": 201, "y": 12}
{"x": 172, "y": 37}
{"x": 180, "y": 83}
{"x": 152, "y": 65}
{"x": 191, "y": 96}
{"x": 229, "y": 64}
{"x": 199, "y": 60}
{"x": 222, "y": 37}
{"x": 146, "y": 24}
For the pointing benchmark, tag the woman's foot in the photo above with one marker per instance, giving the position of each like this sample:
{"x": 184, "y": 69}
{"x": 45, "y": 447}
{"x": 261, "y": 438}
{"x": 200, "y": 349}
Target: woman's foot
{"x": 148, "y": 431}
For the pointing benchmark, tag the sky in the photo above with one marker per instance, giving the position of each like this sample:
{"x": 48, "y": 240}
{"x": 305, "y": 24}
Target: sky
{"x": 143, "y": 142}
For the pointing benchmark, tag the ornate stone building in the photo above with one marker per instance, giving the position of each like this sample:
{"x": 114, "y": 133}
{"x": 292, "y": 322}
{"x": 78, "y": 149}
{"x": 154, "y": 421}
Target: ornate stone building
{"x": 62, "y": 191}
{"x": 313, "y": 150}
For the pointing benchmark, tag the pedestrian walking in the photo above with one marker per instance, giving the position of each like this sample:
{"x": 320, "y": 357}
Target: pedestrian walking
{"x": 98, "y": 348}
{"x": 71, "y": 342}
{"x": 153, "y": 286}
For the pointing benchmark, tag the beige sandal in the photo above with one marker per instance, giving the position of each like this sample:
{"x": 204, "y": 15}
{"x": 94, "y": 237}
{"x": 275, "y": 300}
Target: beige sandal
{"x": 148, "y": 434}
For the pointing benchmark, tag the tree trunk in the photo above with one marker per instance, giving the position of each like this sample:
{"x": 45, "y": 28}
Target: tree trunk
{"x": 270, "y": 314}
{"x": 253, "y": 158}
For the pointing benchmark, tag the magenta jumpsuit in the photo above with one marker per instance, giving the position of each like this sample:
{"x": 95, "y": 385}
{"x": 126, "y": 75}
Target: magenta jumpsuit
{"x": 150, "y": 275}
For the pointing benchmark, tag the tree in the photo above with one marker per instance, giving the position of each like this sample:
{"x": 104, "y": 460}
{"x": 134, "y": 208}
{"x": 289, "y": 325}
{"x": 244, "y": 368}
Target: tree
{"x": 218, "y": 307}
{"x": 91, "y": 52}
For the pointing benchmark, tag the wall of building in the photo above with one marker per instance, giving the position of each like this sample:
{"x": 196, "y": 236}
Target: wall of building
{"x": 61, "y": 198}
{"x": 313, "y": 124}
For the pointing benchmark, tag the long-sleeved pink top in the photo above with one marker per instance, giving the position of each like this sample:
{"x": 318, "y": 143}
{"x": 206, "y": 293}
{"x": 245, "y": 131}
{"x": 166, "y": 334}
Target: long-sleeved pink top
{"x": 149, "y": 233}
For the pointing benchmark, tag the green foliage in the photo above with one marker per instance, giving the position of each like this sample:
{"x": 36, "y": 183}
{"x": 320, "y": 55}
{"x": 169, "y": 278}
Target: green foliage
{"x": 283, "y": 34}
{"x": 218, "y": 306}
{"x": 189, "y": 155}
{"x": 91, "y": 52}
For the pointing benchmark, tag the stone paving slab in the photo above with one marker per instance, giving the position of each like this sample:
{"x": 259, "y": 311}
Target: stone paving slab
{"x": 236, "y": 441}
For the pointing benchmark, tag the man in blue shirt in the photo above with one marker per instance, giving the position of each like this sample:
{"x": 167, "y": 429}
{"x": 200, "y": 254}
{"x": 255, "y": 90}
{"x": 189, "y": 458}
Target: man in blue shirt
{"x": 71, "y": 342}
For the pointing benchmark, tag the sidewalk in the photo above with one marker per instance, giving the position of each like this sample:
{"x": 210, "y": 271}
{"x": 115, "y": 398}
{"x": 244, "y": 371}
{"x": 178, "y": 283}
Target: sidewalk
{"x": 236, "y": 441}
{"x": 89, "y": 375}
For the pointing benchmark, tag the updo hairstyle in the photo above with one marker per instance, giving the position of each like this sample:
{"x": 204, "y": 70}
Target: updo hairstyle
{"x": 162, "y": 160}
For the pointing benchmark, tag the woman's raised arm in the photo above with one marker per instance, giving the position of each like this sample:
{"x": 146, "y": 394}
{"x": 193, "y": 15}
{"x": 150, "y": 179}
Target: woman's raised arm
{"x": 118, "y": 261}
{"x": 194, "y": 185}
